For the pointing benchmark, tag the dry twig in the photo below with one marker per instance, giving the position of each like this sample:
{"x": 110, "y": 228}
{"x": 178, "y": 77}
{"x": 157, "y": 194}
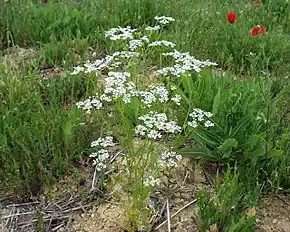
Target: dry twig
{"x": 177, "y": 212}
{"x": 168, "y": 215}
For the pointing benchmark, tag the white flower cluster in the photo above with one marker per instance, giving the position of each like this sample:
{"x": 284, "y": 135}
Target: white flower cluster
{"x": 155, "y": 28}
{"x": 104, "y": 63}
{"x": 198, "y": 115}
{"x": 162, "y": 43}
{"x": 77, "y": 70}
{"x": 150, "y": 181}
{"x": 101, "y": 159}
{"x": 183, "y": 62}
{"x": 135, "y": 43}
{"x": 102, "y": 156}
{"x": 103, "y": 142}
{"x": 155, "y": 124}
{"x": 120, "y": 33}
{"x": 88, "y": 104}
{"x": 117, "y": 85}
{"x": 125, "y": 55}
{"x": 155, "y": 93}
{"x": 176, "y": 70}
{"x": 98, "y": 64}
{"x": 169, "y": 159}
{"x": 164, "y": 20}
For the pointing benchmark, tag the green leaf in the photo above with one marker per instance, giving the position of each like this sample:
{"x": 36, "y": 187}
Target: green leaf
{"x": 216, "y": 102}
{"x": 274, "y": 153}
{"x": 198, "y": 153}
{"x": 229, "y": 60}
{"x": 244, "y": 122}
{"x": 258, "y": 151}
{"x": 203, "y": 139}
{"x": 227, "y": 146}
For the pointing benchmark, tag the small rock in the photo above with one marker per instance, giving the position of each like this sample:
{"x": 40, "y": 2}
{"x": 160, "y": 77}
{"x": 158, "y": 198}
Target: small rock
{"x": 274, "y": 221}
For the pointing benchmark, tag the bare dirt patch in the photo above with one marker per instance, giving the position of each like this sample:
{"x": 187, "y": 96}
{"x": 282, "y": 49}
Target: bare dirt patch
{"x": 274, "y": 216}
{"x": 107, "y": 217}
{"x": 91, "y": 211}
{"x": 103, "y": 218}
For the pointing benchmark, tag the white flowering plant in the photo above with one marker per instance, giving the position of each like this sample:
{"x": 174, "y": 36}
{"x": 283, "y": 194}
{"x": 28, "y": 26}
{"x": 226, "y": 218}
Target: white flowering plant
{"x": 147, "y": 103}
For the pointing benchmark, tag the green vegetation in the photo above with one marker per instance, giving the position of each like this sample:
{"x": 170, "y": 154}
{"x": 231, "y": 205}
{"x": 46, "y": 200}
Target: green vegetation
{"x": 234, "y": 113}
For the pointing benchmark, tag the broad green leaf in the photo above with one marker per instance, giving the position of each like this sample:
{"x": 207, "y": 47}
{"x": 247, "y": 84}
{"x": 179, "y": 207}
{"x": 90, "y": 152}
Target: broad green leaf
{"x": 227, "y": 146}
{"x": 258, "y": 151}
{"x": 198, "y": 153}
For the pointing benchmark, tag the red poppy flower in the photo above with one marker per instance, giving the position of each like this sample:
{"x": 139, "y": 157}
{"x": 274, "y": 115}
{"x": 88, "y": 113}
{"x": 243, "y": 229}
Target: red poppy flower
{"x": 258, "y": 4}
{"x": 262, "y": 29}
{"x": 255, "y": 31}
{"x": 232, "y": 17}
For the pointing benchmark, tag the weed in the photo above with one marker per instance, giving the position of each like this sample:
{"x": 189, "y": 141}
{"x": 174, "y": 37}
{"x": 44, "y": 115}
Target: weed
{"x": 227, "y": 209}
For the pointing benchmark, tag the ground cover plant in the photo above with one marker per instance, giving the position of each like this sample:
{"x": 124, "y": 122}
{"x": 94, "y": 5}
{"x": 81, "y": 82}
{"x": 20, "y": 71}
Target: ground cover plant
{"x": 130, "y": 90}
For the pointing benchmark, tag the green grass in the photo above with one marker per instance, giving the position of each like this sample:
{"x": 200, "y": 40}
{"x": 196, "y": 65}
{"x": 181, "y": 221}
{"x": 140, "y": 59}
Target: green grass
{"x": 229, "y": 209}
{"x": 201, "y": 28}
{"x": 40, "y": 134}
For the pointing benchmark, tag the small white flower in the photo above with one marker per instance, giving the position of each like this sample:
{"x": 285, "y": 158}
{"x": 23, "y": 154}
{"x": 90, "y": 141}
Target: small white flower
{"x": 77, "y": 70}
{"x": 176, "y": 99}
{"x": 103, "y": 155}
{"x": 125, "y": 54}
{"x": 169, "y": 159}
{"x": 161, "y": 92}
{"x": 141, "y": 130}
{"x": 155, "y": 28}
{"x": 106, "y": 98}
{"x": 145, "y": 38}
{"x": 127, "y": 98}
{"x": 162, "y": 42}
{"x": 199, "y": 115}
{"x": 192, "y": 124}
{"x": 120, "y": 33}
{"x": 101, "y": 159}
{"x": 173, "y": 88}
{"x": 177, "y": 70}
{"x": 183, "y": 62}
{"x": 115, "y": 84}
{"x": 171, "y": 127}
{"x": 208, "y": 123}
{"x": 93, "y": 155}
{"x": 155, "y": 124}
{"x": 151, "y": 181}
{"x": 89, "y": 104}
{"x": 104, "y": 142}
{"x": 164, "y": 20}
{"x": 208, "y": 114}
{"x": 153, "y": 134}
{"x": 134, "y": 44}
